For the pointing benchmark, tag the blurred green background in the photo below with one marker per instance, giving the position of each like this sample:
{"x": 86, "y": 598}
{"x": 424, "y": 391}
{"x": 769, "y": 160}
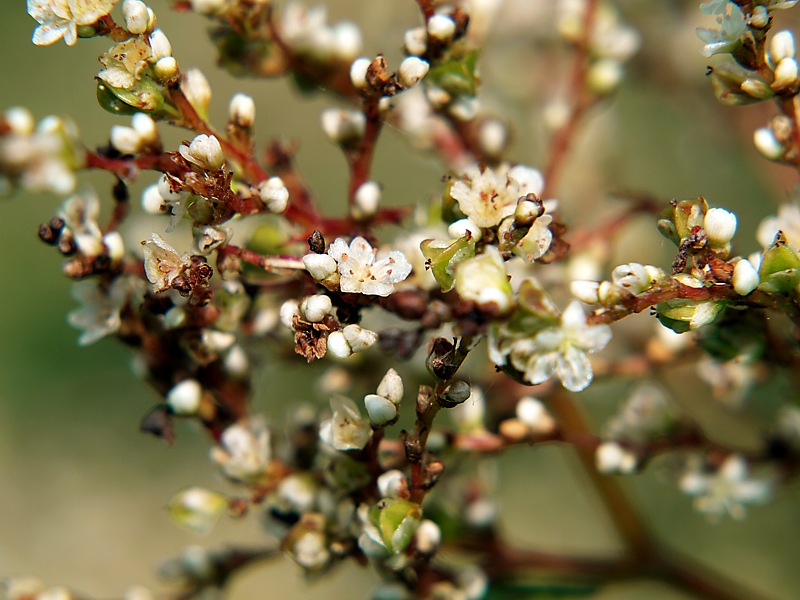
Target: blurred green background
{"x": 83, "y": 493}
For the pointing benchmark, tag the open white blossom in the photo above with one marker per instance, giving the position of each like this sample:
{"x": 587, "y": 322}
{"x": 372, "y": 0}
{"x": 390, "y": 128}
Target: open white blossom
{"x": 346, "y": 429}
{"x": 99, "y": 314}
{"x": 162, "y": 263}
{"x": 61, "y": 18}
{"x": 561, "y": 350}
{"x": 363, "y": 271}
{"x": 725, "y": 491}
{"x": 244, "y": 452}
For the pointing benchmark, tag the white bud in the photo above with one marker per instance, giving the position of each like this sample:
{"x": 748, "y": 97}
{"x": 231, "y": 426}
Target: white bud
{"x": 428, "y": 537}
{"x": 208, "y": 7}
{"x": 767, "y": 144}
{"x": 493, "y": 137}
{"x": 196, "y": 88}
{"x": 242, "y": 110}
{"x": 184, "y": 398}
{"x": 289, "y": 310}
{"x": 160, "y": 46}
{"x": 391, "y": 386}
{"x": 125, "y": 139}
{"x": 320, "y": 266}
{"x": 316, "y": 308}
{"x": 534, "y": 414}
{"x": 358, "y": 73}
{"x": 585, "y": 291}
{"x": 166, "y": 68}
{"x": 274, "y": 194}
{"x": 145, "y": 126}
{"x": 217, "y": 341}
{"x": 359, "y": 338}
{"x": 631, "y": 276}
{"x": 720, "y": 226}
{"x": 760, "y": 17}
{"x": 462, "y": 227}
{"x": 391, "y": 483}
{"x": 416, "y": 41}
{"x": 236, "y": 362}
{"x": 465, "y": 108}
{"x": 205, "y": 151}
{"x": 604, "y": 76}
{"x": 366, "y": 201}
{"x": 610, "y": 458}
{"x": 781, "y": 46}
{"x": 785, "y": 74}
{"x": 114, "y": 245}
{"x": 441, "y": 27}
{"x": 343, "y": 126}
{"x": 165, "y": 189}
{"x": 745, "y": 277}
{"x": 347, "y": 42}
{"x": 338, "y": 345}
{"x": 20, "y": 120}
{"x": 136, "y": 16}
{"x": 381, "y": 411}
{"x": 412, "y": 69}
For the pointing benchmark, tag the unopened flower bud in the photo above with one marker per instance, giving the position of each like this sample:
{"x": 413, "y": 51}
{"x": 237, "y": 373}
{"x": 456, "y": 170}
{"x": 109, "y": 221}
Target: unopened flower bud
{"x": 464, "y": 227}
{"x": 347, "y": 41}
{"x": 720, "y": 226}
{"x": 197, "y": 90}
{"x": 358, "y": 72}
{"x": 428, "y": 537}
{"x": 242, "y": 110}
{"x": 204, "y": 151}
{"x": 320, "y": 266}
{"x": 785, "y": 74}
{"x": 392, "y": 483}
{"x": 391, "y": 386}
{"x": 493, "y": 137}
{"x": 145, "y": 126}
{"x": 381, "y": 411}
{"x": 416, "y": 41}
{"x": 760, "y": 17}
{"x": 114, "y": 245}
{"x": 166, "y": 68}
{"x": 631, "y": 276}
{"x": 366, "y": 201}
{"x": 160, "y": 46}
{"x": 611, "y": 458}
{"x": 343, "y": 126}
{"x": 756, "y": 88}
{"x": 534, "y": 414}
{"x": 136, "y": 16}
{"x": 412, "y": 69}
{"x": 125, "y": 139}
{"x": 274, "y": 193}
{"x": 208, "y": 7}
{"x": 456, "y": 393}
{"x": 288, "y": 311}
{"x": 185, "y": 397}
{"x": 316, "y": 308}
{"x": 585, "y": 291}
{"x": 338, "y": 345}
{"x": 745, "y": 277}
{"x": 767, "y": 144}
{"x": 359, "y": 338}
{"x": 441, "y": 27}
{"x": 20, "y": 120}
{"x": 781, "y": 46}
{"x": 604, "y": 76}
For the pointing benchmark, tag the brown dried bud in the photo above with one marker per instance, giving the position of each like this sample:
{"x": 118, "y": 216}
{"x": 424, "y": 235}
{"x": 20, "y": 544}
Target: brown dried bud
{"x": 441, "y": 359}
{"x": 316, "y": 243}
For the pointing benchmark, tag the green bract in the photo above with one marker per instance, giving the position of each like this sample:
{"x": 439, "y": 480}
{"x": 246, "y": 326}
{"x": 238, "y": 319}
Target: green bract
{"x": 443, "y": 258}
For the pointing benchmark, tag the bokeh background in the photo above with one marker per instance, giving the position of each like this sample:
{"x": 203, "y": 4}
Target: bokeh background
{"x": 83, "y": 493}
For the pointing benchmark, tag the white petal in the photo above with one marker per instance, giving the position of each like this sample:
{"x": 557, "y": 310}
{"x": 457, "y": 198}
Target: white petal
{"x": 574, "y": 369}
{"x": 541, "y": 367}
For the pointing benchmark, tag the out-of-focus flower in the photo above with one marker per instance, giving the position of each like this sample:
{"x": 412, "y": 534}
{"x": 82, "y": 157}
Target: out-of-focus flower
{"x": 244, "y": 452}
{"x": 363, "y": 271}
{"x": 787, "y": 220}
{"x": 346, "y": 429}
{"x": 197, "y": 509}
{"x": 732, "y": 27}
{"x": 99, "y": 314}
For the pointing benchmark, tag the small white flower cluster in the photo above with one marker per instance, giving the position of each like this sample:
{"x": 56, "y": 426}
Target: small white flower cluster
{"x": 726, "y": 490}
{"x": 141, "y": 136}
{"x": 307, "y": 33}
{"x": 37, "y": 158}
{"x": 646, "y": 414}
{"x": 361, "y": 268}
{"x": 626, "y": 280}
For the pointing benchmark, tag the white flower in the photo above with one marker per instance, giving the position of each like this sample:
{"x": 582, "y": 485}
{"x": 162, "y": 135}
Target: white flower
{"x": 61, "y": 18}
{"x": 80, "y": 213}
{"x": 787, "y": 220}
{"x": 100, "y": 314}
{"x": 204, "y": 151}
{"x": 362, "y": 271}
{"x": 244, "y": 451}
{"x": 162, "y": 264}
{"x": 562, "y": 350}
{"x": 732, "y": 27}
{"x": 725, "y": 491}
{"x": 346, "y": 429}
{"x": 486, "y": 197}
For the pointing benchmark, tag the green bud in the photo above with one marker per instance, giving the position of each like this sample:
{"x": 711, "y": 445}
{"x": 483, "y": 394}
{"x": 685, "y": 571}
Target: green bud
{"x": 444, "y": 257}
{"x": 681, "y": 314}
{"x": 396, "y": 520}
{"x": 780, "y": 267}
